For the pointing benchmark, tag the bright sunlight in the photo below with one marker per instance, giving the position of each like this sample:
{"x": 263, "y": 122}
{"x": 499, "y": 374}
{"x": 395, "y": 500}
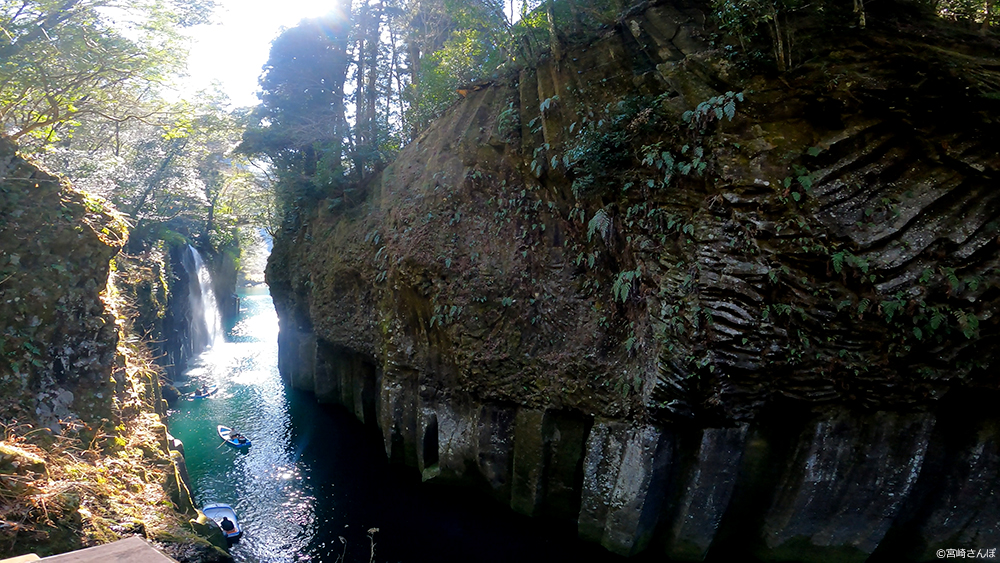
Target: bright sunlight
{"x": 232, "y": 51}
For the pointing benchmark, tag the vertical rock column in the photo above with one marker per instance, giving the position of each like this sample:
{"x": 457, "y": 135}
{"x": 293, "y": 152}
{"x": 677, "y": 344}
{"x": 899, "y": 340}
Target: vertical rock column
{"x": 297, "y": 357}
{"x": 966, "y": 512}
{"x": 472, "y": 435}
{"x": 624, "y": 476}
{"x": 398, "y": 415}
{"x": 707, "y": 490}
{"x": 548, "y": 451}
{"x": 845, "y": 484}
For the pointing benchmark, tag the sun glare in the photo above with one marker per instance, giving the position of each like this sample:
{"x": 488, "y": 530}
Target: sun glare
{"x": 229, "y": 54}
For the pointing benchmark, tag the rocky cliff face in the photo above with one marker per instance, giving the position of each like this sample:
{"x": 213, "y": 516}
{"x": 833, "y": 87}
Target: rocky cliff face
{"x": 84, "y": 456}
{"x": 57, "y": 351}
{"x": 703, "y": 312}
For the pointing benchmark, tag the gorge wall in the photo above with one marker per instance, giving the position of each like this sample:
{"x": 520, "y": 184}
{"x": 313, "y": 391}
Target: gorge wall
{"x": 699, "y": 310}
{"x": 84, "y": 455}
{"x": 59, "y": 340}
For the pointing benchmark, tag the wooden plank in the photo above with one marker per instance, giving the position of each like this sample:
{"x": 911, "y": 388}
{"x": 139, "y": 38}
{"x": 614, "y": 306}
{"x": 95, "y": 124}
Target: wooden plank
{"x": 131, "y": 550}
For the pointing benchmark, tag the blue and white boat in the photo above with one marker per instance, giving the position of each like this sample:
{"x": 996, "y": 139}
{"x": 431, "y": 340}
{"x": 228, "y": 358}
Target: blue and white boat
{"x": 217, "y": 511}
{"x": 226, "y": 434}
{"x": 208, "y": 392}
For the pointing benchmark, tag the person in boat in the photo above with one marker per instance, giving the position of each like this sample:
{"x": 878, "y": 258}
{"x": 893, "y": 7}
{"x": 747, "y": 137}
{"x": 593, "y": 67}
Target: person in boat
{"x": 203, "y": 390}
{"x": 237, "y": 437}
{"x": 227, "y": 525}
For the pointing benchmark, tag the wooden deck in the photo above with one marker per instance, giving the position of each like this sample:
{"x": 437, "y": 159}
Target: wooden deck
{"x": 131, "y": 550}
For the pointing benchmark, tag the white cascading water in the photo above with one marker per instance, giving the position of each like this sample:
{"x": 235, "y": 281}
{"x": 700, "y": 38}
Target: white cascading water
{"x": 205, "y": 321}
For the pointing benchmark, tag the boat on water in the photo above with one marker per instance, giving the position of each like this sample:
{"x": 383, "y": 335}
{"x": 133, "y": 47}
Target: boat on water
{"x": 217, "y": 511}
{"x": 198, "y": 394}
{"x": 226, "y": 434}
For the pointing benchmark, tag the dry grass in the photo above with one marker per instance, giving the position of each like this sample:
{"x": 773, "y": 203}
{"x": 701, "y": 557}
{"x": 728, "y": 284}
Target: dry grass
{"x": 91, "y": 493}
{"x": 101, "y": 481}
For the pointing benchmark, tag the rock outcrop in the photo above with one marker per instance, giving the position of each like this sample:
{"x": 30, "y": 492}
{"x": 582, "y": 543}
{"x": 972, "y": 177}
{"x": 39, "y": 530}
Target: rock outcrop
{"x": 69, "y": 367}
{"x": 57, "y": 350}
{"x": 703, "y": 312}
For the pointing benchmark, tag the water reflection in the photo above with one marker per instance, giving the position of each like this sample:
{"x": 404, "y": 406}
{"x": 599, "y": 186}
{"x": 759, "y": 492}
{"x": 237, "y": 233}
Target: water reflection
{"x": 316, "y": 481}
{"x": 264, "y": 484}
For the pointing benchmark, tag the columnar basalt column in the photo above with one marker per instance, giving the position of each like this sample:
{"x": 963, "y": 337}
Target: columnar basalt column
{"x": 846, "y": 482}
{"x": 624, "y": 475}
{"x": 707, "y": 490}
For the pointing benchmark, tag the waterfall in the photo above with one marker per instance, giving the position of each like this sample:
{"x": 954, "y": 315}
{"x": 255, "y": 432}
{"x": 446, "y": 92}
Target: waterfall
{"x": 204, "y": 320}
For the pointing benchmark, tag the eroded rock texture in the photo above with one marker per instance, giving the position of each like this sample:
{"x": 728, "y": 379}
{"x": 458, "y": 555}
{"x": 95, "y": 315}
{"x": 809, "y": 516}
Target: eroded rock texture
{"x": 58, "y": 341}
{"x": 597, "y": 286}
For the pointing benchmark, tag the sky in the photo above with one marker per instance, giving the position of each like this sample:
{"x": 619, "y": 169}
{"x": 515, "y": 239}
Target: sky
{"x": 234, "y": 49}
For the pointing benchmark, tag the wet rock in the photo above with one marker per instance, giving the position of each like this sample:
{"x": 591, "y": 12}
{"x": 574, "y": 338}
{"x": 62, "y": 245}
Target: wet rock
{"x": 965, "y": 511}
{"x": 847, "y": 480}
{"x": 707, "y": 490}
{"x": 206, "y": 528}
{"x": 624, "y": 475}
{"x": 398, "y": 416}
{"x": 548, "y": 454}
{"x": 175, "y": 444}
{"x": 457, "y": 437}
{"x": 528, "y": 481}
{"x": 495, "y": 448}
{"x": 176, "y": 485}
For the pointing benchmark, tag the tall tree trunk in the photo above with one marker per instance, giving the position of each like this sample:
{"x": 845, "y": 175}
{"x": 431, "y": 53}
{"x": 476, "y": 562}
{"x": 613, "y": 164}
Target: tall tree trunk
{"x": 555, "y": 44}
{"x": 341, "y": 130}
{"x": 395, "y": 74}
{"x": 369, "y": 92}
{"x": 778, "y": 41}
{"x": 360, "y": 138}
{"x": 413, "y": 55}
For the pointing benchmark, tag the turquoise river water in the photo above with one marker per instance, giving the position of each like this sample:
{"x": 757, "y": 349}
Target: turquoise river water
{"x": 316, "y": 485}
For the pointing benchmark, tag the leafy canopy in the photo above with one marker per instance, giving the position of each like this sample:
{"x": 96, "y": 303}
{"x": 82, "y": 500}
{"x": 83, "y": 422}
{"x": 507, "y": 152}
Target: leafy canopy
{"x": 64, "y": 61}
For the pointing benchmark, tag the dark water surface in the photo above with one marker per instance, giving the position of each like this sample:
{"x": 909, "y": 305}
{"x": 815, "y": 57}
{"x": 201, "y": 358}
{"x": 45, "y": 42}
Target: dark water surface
{"x": 315, "y": 475}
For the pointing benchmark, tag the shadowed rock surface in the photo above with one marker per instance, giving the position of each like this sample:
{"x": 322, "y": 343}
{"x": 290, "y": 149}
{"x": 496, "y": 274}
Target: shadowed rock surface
{"x": 57, "y": 350}
{"x": 703, "y": 312}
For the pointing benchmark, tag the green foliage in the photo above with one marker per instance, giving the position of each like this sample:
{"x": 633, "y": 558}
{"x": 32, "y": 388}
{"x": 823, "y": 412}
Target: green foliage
{"x": 743, "y": 18}
{"x": 547, "y": 104}
{"x": 838, "y": 259}
{"x": 63, "y": 63}
{"x": 458, "y": 42}
{"x": 600, "y": 145}
{"x": 177, "y": 181}
{"x": 600, "y": 223}
{"x": 299, "y": 125}
{"x": 509, "y": 123}
{"x": 983, "y": 12}
{"x": 623, "y": 284}
{"x": 712, "y": 109}
{"x": 445, "y": 315}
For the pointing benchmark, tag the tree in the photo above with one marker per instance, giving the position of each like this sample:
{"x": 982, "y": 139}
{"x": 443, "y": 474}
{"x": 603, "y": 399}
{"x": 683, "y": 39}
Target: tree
{"x": 982, "y": 12}
{"x": 300, "y": 124}
{"x": 175, "y": 180}
{"x": 452, "y": 42}
{"x": 65, "y": 61}
{"x": 743, "y": 18}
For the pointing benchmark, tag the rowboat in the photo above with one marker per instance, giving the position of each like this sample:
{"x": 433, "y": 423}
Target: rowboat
{"x": 217, "y": 511}
{"x": 226, "y": 434}
{"x": 208, "y": 393}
